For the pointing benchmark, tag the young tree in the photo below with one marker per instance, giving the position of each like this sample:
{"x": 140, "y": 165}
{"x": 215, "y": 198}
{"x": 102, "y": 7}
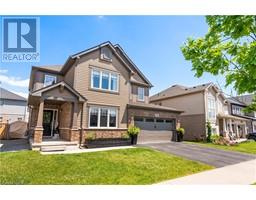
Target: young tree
{"x": 229, "y": 49}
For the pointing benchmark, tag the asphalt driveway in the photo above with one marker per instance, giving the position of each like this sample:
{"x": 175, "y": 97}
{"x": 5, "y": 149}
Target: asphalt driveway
{"x": 14, "y": 145}
{"x": 210, "y": 156}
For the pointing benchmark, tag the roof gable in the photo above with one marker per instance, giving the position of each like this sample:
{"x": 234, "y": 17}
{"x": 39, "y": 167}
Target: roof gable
{"x": 116, "y": 50}
{"x": 5, "y": 94}
{"x": 63, "y": 86}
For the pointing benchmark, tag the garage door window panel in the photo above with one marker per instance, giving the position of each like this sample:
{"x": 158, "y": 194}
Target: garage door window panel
{"x": 149, "y": 120}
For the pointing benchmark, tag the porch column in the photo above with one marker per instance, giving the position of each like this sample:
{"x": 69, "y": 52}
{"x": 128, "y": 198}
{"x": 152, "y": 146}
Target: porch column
{"x": 224, "y": 128}
{"x": 245, "y": 130}
{"x": 237, "y": 130}
{"x": 38, "y": 132}
{"x": 40, "y": 114}
{"x": 74, "y": 132}
{"x": 230, "y": 126}
{"x": 75, "y": 113}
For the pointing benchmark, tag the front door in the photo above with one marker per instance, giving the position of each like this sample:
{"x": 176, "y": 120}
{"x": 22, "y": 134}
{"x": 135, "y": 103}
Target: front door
{"x": 48, "y": 122}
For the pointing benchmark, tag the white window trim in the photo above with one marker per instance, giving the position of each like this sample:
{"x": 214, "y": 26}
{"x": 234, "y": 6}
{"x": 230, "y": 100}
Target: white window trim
{"x": 109, "y": 80}
{"x": 209, "y": 108}
{"x": 48, "y": 75}
{"x": 143, "y": 99}
{"x": 99, "y": 113}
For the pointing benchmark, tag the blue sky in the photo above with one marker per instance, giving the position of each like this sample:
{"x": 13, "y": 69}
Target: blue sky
{"x": 152, "y": 42}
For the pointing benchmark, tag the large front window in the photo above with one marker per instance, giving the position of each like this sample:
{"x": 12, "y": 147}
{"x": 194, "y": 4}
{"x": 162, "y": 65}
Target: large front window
{"x": 104, "y": 80}
{"x": 211, "y": 108}
{"x": 49, "y": 80}
{"x": 102, "y": 117}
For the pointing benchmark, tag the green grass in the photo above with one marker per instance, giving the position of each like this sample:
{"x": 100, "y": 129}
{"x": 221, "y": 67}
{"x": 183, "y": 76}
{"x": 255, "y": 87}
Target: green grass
{"x": 126, "y": 166}
{"x": 245, "y": 147}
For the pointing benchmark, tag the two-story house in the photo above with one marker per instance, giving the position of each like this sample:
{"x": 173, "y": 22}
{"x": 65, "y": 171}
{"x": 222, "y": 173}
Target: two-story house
{"x": 201, "y": 104}
{"x": 236, "y": 108}
{"x": 100, "y": 90}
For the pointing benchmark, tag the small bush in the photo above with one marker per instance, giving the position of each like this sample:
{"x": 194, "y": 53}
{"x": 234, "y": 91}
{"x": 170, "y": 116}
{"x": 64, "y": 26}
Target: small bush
{"x": 125, "y": 136}
{"x": 180, "y": 131}
{"x": 90, "y": 136}
{"x": 209, "y": 131}
{"x": 133, "y": 130}
{"x": 216, "y": 139}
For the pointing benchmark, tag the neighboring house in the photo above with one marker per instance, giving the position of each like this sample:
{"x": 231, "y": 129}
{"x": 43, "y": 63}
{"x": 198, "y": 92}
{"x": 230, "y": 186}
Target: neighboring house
{"x": 241, "y": 102}
{"x": 201, "y": 103}
{"x": 98, "y": 90}
{"x": 12, "y": 107}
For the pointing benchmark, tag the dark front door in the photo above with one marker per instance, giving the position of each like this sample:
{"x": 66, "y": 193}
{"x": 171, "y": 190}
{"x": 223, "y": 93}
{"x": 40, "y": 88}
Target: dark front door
{"x": 48, "y": 122}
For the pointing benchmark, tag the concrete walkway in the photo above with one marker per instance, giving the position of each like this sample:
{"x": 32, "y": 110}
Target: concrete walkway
{"x": 207, "y": 155}
{"x": 242, "y": 173}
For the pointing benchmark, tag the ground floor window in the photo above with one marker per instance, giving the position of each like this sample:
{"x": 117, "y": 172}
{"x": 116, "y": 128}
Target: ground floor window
{"x": 102, "y": 117}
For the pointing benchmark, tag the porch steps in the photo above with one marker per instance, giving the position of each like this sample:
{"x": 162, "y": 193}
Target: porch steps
{"x": 52, "y": 148}
{"x": 53, "y": 145}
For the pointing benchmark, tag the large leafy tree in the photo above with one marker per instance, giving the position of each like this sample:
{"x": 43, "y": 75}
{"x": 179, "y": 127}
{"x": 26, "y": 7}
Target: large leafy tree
{"x": 229, "y": 49}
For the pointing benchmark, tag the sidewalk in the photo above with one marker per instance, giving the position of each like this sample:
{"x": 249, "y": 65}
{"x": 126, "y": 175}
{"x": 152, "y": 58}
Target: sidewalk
{"x": 242, "y": 173}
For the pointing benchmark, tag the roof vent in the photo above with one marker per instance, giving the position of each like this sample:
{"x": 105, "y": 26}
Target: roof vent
{"x": 186, "y": 88}
{"x": 203, "y": 85}
{"x": 194, "y": 87}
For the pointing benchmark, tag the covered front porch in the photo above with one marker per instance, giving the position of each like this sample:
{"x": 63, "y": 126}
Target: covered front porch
{"x": 54, "y": 115}
{"x": 232, "y": 127}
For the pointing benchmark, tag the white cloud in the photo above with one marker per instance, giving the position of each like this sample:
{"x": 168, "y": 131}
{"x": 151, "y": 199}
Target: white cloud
{"x": 3, "y": 71}
{"x": 23, "y": 94}
{"x": 14, "y": 81}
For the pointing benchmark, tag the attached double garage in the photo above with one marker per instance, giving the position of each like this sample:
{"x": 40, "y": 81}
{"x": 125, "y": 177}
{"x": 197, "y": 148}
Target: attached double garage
{"x": 157, "y": 123}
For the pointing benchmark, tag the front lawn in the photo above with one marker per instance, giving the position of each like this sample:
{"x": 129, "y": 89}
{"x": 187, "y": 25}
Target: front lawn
{"x": 245, "y": 147}
{"x": 126, "y": 166}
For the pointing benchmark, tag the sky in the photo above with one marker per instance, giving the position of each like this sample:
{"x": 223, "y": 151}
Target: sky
{"x": 152, "y": 42}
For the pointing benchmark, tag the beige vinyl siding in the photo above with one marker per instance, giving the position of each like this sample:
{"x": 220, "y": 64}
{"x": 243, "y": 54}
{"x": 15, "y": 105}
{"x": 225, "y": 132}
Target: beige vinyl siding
{"x": 191, "y": 104}
{"x": 69, "y": 76}
{"x": 82, "y": 84}
{"x": 134, "y": 93}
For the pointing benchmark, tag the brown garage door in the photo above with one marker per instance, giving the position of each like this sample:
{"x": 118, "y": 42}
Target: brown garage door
{"x": 154, "y": 130}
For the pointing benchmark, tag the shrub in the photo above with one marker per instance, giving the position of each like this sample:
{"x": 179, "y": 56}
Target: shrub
{"x": 90, "y": 136}
{"x": 180, "y": 131}
{"x": 133, "y": 130}
{"x": 209, "y": 131}
{"x": 125, "y": 136}
{"x": 216, "y": 139}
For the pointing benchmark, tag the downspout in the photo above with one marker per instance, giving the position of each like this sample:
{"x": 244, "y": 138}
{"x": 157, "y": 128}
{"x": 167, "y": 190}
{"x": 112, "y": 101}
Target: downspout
{"x": 81, "y": 127}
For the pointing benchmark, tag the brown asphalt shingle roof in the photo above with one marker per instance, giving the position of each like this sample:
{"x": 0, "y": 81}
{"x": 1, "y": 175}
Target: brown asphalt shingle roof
{"x": 177, "y": 90}
{"x": 55, "y": 68}
{"x": 152, "y": 106}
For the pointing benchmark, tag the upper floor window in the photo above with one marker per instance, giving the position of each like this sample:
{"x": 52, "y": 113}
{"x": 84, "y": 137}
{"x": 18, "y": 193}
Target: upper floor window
{"x": 141, "y": 94}
{"x": 104, "y": 80}
{"x": 237, "y": 110}
{"x": 211, "y": 108}
{"x": 49, "y": 80}
{"x": 106, "y": 54}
